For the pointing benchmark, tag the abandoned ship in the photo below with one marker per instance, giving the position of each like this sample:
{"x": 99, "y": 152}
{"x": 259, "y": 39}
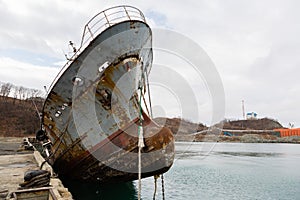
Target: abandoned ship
{"x": 95, "y": 116}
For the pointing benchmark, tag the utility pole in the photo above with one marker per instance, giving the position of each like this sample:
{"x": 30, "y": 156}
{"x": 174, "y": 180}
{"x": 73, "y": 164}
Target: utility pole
{"x": 243, "y": 109}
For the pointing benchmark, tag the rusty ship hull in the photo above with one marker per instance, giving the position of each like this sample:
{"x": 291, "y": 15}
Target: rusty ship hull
{"x": 93, "y": 112}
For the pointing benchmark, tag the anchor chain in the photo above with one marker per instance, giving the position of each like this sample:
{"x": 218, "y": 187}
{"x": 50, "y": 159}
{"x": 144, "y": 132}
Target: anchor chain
{"x": 163, "y": 186}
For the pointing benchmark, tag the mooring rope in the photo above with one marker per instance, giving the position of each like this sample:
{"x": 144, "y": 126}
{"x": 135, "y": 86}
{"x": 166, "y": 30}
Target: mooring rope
{"x": 155, "y": 185}
{"x": 37, "y": 110}
{"x": 140, "y": 138}
{"x": 140, "y": 145}
{"x": 149, "y": 96}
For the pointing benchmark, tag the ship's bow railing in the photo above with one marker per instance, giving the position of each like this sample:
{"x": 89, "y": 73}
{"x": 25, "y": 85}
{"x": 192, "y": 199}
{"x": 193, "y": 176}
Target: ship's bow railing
{"x": 97, "y": 25}
{"x": 107, "y": 18}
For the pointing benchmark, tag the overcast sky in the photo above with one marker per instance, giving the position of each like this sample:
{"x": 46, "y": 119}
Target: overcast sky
{"x": 253, "y": 44}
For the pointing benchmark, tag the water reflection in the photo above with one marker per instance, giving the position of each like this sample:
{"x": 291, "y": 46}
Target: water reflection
{"x": 249, "y": 154}
{"x": 94, "y": 191}
{"x": 190, "y": 154}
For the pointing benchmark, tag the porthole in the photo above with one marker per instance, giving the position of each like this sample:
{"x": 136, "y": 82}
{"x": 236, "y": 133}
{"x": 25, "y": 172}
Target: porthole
{"x": 58, "y": 113}
{"x": 103, "y": 67}
{"x": 77, "y": 81}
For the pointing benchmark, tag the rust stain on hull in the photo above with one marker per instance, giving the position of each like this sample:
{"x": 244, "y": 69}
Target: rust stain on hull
{"x": 96, "y": 163}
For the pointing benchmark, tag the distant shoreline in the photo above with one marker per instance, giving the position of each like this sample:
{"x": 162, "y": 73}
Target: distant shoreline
{"x": 247, "y": 138}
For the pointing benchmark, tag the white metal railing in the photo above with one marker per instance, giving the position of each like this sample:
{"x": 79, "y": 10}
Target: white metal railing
{"x": 107, "y": 18}
{"x": 99, "y": 23}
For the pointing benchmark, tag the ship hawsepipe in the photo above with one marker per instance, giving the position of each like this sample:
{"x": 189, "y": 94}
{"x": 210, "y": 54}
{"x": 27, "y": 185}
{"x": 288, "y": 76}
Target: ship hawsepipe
{"x": 92, "y": 112}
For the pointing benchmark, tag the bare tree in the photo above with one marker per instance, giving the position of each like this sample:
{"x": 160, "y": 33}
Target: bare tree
{"x": 5, "y": 89}
{"x": 15, "y": 91}
{"x": 27, "y": 93}
{"x": 21, "y": 90}
{"x": 34, "y": 93}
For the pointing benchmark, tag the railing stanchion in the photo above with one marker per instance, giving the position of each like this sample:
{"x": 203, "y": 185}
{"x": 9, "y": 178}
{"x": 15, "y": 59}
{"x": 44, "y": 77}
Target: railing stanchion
{"x": 106, "y": 19}
{"x": 92, "y": 35}
{"x": 126, "y": 13}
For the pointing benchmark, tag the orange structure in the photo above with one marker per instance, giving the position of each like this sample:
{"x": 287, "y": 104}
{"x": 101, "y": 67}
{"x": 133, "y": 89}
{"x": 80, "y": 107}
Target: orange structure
{"x": 285, "y": 132}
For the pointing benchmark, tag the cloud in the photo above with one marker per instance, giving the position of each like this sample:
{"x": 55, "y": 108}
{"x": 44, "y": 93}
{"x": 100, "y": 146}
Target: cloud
{"x": 254, "y": 45}
{"x": 27, "y": 75}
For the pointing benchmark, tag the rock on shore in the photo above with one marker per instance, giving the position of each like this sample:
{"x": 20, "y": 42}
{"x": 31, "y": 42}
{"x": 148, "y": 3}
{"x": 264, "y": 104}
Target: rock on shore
{"x": 247, "y": 138}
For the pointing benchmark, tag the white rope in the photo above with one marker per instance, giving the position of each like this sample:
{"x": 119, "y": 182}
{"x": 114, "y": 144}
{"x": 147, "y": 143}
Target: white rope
{"x": 140, "y": 143}
{"x": 140, "y": 173}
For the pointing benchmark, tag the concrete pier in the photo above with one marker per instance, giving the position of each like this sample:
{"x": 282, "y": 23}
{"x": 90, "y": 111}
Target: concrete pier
{"x": 13, "y": 165}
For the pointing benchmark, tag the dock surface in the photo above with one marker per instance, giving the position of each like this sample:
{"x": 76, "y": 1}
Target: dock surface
{"x": 13, "y": 165}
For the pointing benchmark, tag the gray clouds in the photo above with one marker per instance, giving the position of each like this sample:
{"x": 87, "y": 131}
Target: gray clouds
{"x": 254, "y": 44}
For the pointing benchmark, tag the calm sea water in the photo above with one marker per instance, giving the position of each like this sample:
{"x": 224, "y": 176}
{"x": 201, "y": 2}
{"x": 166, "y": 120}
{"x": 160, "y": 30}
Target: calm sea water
{"x": 215, "y": 171}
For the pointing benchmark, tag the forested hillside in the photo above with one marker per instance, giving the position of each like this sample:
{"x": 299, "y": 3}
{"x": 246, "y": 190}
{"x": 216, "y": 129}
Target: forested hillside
{"x": 19, "y": 107}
